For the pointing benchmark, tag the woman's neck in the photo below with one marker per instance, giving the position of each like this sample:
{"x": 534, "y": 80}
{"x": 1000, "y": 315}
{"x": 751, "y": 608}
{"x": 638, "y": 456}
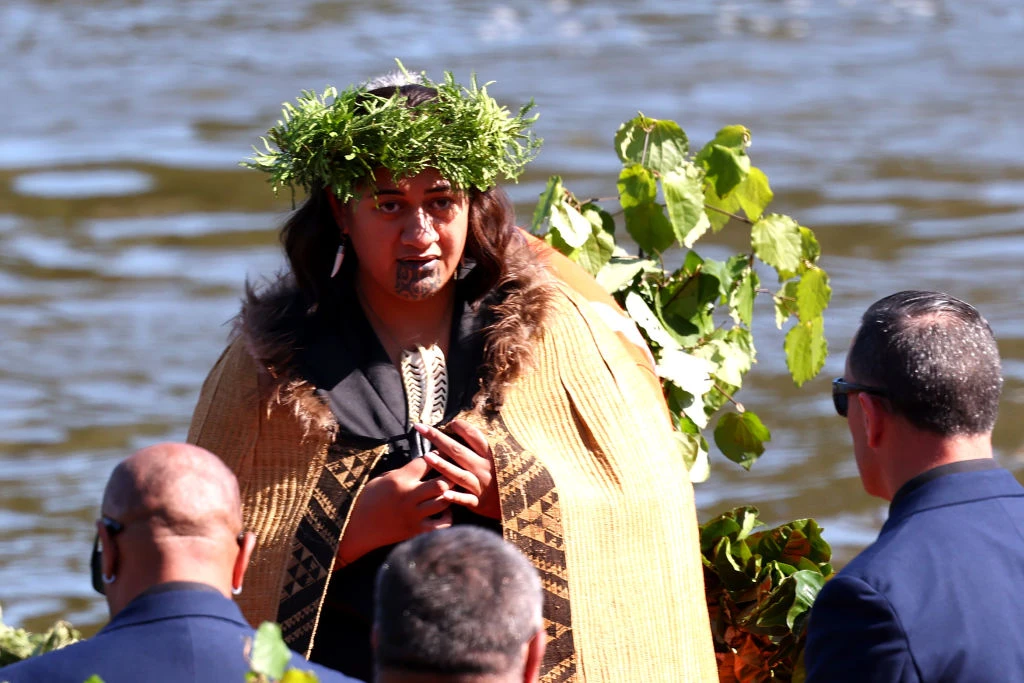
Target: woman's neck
{"x": 401, "y": 324}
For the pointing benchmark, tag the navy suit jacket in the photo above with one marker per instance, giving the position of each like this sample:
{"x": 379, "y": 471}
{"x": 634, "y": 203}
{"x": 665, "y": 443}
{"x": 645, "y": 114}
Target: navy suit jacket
{"x": 938, "y": 597}
{"x": 177, "y": 636}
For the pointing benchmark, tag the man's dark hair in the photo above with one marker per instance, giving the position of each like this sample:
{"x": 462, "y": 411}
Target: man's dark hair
{"x": 936, "y": 358}
{"x": 458, "y": 601}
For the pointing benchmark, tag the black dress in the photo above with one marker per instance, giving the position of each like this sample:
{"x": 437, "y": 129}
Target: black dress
{"x": 354, "y": 375}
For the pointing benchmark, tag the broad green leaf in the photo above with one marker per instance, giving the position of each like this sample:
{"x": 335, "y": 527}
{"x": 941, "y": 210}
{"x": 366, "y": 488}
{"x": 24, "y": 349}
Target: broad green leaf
{"x": 659, "y": 145}
{"x": 730, "y": 571}
{"x": 809, "y": 243}
{"x": 643, "y": 316}
{"x": 776, "y": 241}
{"x": 741, "y": 299}
{"x": 735, "y": 136}
{"x": 649, "y": 228}
{"x": 737, "y": 524}
{"x": 712, "y": 201}
{"x": 552, "y": 193}
{"x": 741, "y": 437}
{"x": 571, "y": 225}
{"x": 645, "y": 219}
{"x": 684, "y": 199}
{"x": 754, "y": 194}
{"x": 742, "y": 341}
{"x": 714, "y": 530}
{"x": 806, "y": 349}
{"x": 686, "y": 303}
{"x": 812, "y": 294}
{"x": 297, "y": 676}
{"x": 747, "y": 517}
{"x": 695, "y": 457}
{"x": 599, "y": 217}
{"x": 620, "y": 272}
{"x": 785, "y": 302}
{"x": 718, "y": 397}
{"x": 732, "y": 361}
{"x": 692, "y": 375}
{"x": 595, "y": 253}
{"x": 270, "y": 655}
{"x": 818, "y": 551}
{"x": 726, "y": 167}
{"x": 790, "y": 602}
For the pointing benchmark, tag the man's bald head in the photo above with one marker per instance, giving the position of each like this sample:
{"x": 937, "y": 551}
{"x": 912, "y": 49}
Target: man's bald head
{"x": 177, "y": 490}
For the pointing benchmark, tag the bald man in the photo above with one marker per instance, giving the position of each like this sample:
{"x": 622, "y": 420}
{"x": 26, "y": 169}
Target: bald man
{"x": 173, "y": 552}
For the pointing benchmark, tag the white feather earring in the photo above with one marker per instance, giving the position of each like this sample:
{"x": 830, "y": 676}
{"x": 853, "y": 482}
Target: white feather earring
{"x": 338, "y": 258}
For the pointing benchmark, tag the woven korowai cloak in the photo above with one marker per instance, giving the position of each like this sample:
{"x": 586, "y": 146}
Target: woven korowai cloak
{"x": 592, "y": 489}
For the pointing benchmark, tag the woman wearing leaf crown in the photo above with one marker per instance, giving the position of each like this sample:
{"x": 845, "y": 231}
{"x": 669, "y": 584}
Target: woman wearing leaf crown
{"x": 418, "y": 368}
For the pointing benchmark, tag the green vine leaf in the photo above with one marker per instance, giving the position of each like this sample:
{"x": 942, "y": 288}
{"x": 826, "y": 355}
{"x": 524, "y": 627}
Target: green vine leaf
{"x": 684, "y": 199}
{"x": 620, "y": 272}
{"x": 571, "y": 225}
{"x": 741, "y": 437}
{"x": 553, "y": 192}
{"x": 785, "y": 303}
{"x": 754, "y": 194}
{"x": 270, "y": 655}
{"x": 692, "y": 375}
{"x": 645, "y": 219}
{"x": 724, "y": 205}
{"x": 812, "y": 294}
{"x": 643, "y": 316}
{"x": 789, "y": 605}
{"x": 660, "y": 146}
{"x": 806, "y": 349}
{"x": 725, "y": 159}
{"x": 598, "y": 249}
{"x": 776, "y": 241}
{"x": 809, "y": 245}
{"x": 741, "y": 298}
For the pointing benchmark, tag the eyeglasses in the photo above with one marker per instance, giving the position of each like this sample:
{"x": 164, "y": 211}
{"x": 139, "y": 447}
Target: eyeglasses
{"x": 841, "y": 390}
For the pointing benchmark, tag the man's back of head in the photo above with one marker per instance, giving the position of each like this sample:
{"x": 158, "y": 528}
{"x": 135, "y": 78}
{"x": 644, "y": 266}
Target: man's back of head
{"x": 171, "y": 512}
{"x": 458, "y": 604}
{"x": 936, "y": 359}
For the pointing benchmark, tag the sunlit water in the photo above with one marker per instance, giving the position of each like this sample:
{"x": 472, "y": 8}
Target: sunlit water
{"x": 893, "y": 128}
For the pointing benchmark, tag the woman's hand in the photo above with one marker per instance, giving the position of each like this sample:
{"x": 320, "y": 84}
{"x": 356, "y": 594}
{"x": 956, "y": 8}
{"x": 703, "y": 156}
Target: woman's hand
{"x": 472, "y": 469}
{"x": 396, "y": 506}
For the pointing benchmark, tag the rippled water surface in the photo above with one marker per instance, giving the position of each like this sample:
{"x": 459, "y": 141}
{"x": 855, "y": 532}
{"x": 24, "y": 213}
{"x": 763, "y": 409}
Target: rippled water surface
{"x": 892, "y": 127}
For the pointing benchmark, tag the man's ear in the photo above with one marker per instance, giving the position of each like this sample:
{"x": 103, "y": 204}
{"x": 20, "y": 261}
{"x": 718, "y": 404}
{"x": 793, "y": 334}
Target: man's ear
{"x": 875, "y": 418}
{"x": 246, "y": 547}
{"x": 108, "y": 561}
{"x": 535, "y": 656}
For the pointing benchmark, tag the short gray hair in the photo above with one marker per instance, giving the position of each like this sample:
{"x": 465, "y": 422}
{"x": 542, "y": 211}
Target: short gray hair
{"x": 458, "y": 601}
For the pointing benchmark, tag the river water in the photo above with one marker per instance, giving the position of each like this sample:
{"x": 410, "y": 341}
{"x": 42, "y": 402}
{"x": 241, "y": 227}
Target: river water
{"x": 892, "y": 127}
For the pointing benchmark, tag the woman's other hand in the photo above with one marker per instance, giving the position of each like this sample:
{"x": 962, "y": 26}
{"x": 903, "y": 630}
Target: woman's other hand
{"x": 471, "y": 466}
{"x": 397, "y": 506}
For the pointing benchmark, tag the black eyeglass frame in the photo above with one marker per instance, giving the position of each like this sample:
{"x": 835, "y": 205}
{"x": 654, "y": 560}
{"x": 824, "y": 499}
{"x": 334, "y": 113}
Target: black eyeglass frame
{"x": 841, "y": 390}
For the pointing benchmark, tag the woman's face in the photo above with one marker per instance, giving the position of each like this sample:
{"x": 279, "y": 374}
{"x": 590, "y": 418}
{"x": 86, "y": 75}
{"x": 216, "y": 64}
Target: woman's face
{"x": 409, "y": 235}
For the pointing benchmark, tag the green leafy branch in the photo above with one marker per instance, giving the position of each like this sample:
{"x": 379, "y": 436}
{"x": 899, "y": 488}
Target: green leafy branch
{"x": 760, "y": 586}
{"x": 17, "y": 644}
{"x": 697, "y": 318}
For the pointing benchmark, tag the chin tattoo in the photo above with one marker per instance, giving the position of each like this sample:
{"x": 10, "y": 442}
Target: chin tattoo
{"x": 414, "y": 284}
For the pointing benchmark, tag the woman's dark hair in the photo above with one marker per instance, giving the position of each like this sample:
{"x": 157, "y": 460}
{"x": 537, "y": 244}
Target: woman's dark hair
{"x": 502, "y": 259}
{"x": 936, "y": 358}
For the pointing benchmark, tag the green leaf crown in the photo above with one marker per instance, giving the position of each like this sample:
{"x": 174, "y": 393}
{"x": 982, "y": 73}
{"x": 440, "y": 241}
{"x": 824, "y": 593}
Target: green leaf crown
{"x": 338, "y": 140}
